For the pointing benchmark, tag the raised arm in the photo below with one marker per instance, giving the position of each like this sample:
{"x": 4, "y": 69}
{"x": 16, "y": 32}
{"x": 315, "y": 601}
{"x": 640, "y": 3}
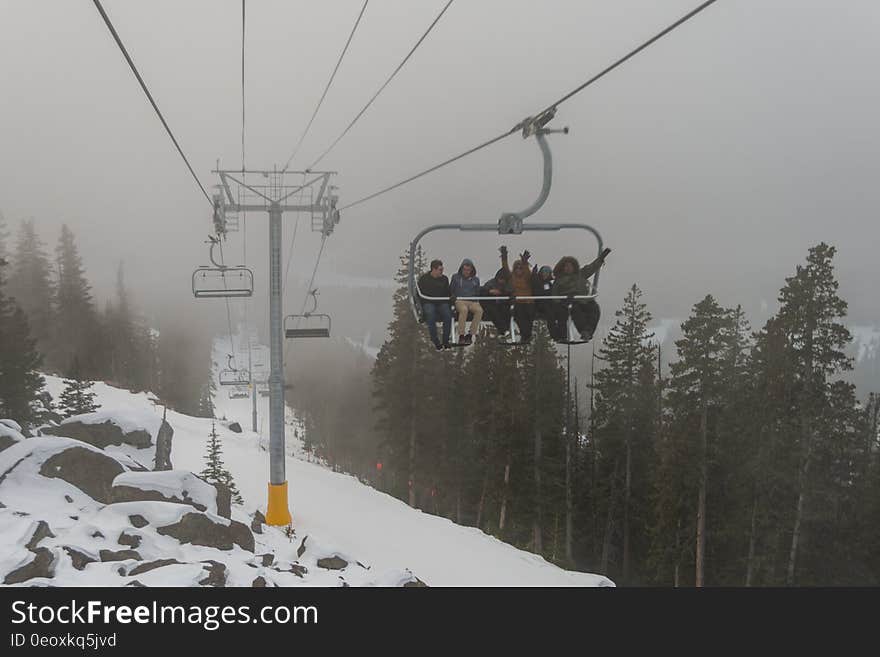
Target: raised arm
{"x": 593, "y": 267}
{"x": 504, "y": 264}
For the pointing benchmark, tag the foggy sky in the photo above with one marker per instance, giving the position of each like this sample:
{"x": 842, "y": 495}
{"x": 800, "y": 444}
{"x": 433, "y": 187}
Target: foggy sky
{"x": 710, "y": 163}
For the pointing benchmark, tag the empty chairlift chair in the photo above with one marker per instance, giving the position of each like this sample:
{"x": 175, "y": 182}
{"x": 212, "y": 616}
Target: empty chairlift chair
{"x": 218, "y": 281}
{"x": 309, "y": 324}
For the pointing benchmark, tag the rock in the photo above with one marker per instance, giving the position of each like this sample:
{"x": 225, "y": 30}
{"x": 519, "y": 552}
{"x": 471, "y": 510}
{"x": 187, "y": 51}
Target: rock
{"x": 42, "y": 565}
{"x": 11, "y": 424}
{"x": 267, "y": 559}
{"x": 131, "y": 540}
{"x": 242, "y": 536}
{"x": 415, "y": 582}
{"x": 42, "y": 531}
{"x": 119, "y": 555}
{"x": 135, "y": 583}
{"x": 162, "y": 460}
{"x": 97, "y": 534}
{"x": 178, "y": 486}
{"x": 259, "y": 583}
{"x": 90, "y": 471}
{"x": 235, "y": 427}
{"x": 199, "y": 529}
{"x": 332, "y": 563}
{"x": 6, "y": 441}
{"x": 147, "y": 566}
{"x": 224, "y": 501}
{"x": 258, "y": 522}
{"x": 216, "y": 574}
{"x": 302, "y": 547}
{"x": 68, "y": 499}
{"x": 295, "y": 568}
{"x": 137, "y": 520}
{"x": 79, "y": 559}
{"x": 101, "y": 435}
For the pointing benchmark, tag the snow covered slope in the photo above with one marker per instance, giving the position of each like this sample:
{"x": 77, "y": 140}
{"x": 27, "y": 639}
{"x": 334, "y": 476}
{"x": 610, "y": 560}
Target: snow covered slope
{"x": 340, "y": 515}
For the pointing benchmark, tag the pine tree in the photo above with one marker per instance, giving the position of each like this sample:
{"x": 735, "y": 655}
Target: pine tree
{"x": 77, "y": 397}
{"x": 30, "y": 285}
{"x": 810, "y": 313}
{"x": 701, "y": 386}
{"x": 206, "y": 401}
{"x": 624, "y": 431}
{"x": 76, "y": 325}
{"x": 215, "y": 472}
{"x": 20, "y": 382}
{"x": 399, "y": 388}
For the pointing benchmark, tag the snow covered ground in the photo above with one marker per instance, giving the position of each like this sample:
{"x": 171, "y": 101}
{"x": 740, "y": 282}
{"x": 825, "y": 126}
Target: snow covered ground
{"x": 339, "y": 515}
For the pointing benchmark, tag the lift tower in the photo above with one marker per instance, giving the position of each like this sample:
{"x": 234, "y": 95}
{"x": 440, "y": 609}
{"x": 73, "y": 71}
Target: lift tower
{"x": 277, "y": 192}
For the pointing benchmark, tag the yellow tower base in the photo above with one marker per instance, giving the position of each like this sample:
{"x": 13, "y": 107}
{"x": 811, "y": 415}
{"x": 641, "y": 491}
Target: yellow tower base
{"x": 277, "y": 513}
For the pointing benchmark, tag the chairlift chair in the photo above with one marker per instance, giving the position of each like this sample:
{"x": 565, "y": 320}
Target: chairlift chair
{"x": 309, "y": 324}
{"x": 232, "y": 376}
{"x": 239, "y": 393}
{"x": 511, "y": 223}
{"x": 219, "y": 281}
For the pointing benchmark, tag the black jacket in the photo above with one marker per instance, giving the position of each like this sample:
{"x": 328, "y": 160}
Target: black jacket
{"x": 433, "y": 287}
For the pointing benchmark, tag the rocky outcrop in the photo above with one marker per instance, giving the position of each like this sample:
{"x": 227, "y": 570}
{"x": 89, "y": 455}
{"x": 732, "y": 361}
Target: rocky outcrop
{"x": 178, "y": 486}
{"x": 101, "y": 434}
{"x": 42, "y": 531}
{"x": 119, "y": 555}
{"x": 162, "y": 460}
{"x": 42, "y": 565}
{"x": 152, "y": 565}
{"x": 90, "y": 471}
{"x": 332, "y": 563}
{"x": 200, "y": 529}
{"x": 216, "y": 574}
{"x": 78, "y": 559}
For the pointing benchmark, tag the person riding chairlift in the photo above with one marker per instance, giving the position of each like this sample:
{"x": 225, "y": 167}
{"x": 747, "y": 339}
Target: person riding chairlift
{"x": 435, "y": 284}
{"x": 521, "y": 282}
{"x": 573, "y": 280}
{"x": 466, "y": 283}
{"x": 498, "y": 311}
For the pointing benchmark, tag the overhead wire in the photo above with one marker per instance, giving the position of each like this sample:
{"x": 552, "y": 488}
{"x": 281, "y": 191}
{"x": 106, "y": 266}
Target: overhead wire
{"x": 140, "y": 80}
{"x": 326, "y": 88}
{"x": 549, "y": 108}
{"x": 382, "y": 88}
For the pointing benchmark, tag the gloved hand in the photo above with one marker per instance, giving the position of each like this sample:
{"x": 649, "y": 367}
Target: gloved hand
{"x": 525, "y": 255}
{"x": 503, "y": 250}
{"x": 604, "y": 253}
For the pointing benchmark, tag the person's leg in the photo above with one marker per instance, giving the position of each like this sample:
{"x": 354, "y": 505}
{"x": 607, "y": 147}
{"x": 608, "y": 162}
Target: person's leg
{"x": 446, "y": 316}
{"x": 525, "y": 313}
{"x": 559, "y": 317}
{"x": 586, "y": 318}
{"x": 430, "y": 311}
{"x": 461, "y": 307}
{"x": 579, "y": 317}
{"x": 477, "y": 311}
{"x": 593, "y": 313}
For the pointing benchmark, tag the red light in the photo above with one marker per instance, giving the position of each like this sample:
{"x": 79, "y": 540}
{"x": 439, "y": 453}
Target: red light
{"x": 379, "y": 465}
